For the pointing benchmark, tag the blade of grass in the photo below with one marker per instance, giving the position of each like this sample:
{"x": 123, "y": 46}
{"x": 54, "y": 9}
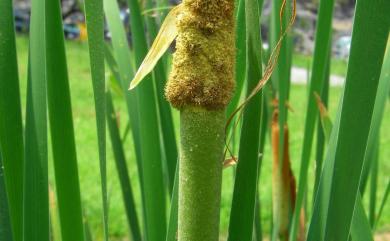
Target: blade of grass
{"x": 154, "y": 195}
{"x": 35, "y": 195}
{"x": 374, "y": 184}
{"x": 321, "y": 53}
{"x": 173, "y": 215}
{"x": 360, "y": 228}
{"x": 371, "y": 19}
{"x": 121, "y": 166}
{"x": 5, "y": 219}
{"x": 320, "y": 148}
{"x": 263, "y": 132}
{"x": 114, "y": 84}
{"x": 166, "y": 122}
{"x": 383, "y": 203}
{"x": 257, "y": 227}
{"x": 124, "y": 67}
{"x": 95, "y": 28}
{"x": 11, "y": 129}
{"x": 240, "y": 67}
{"x": 379, "y": 108}
{"x": 245, "y": 185}
{"x": 36, "y": 199}
{"x": 317, "y": 222}
{"x": 61, "y": 127}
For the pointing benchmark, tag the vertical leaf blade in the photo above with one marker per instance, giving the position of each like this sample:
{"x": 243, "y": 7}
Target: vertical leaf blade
{"x": 121, "y": 167}
{"x": 11, "y": 129}
{"x": 95, "y": 28}
{"x": 36, "y": 197}
{"x": 320, "y": 59}
{"x": 245, "y": 186}
{"x": 5, "y": 220}
{"x": 61, "y": 127}
{"x": 154, "y": 194}
{"x": 371, "y": 19}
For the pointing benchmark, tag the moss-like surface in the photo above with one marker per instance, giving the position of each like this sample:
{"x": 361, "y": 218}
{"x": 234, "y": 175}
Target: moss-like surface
{"x": 200, "y": 173}
{"x": 203, "y": 64}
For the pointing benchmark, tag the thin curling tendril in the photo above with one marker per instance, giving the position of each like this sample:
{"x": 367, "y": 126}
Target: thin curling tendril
{"x": 266, "y": 76}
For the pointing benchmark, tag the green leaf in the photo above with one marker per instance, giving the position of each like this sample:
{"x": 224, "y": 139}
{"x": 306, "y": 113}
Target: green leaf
{"x": 166, "y": 122}
{"x": 95, "y": 28}
{"x": 324, "y": 117}
{"x": 5, "y": 220}
{"x": 36, "y": 197}
{"x": 173, "y": 215}
{"x": 374, "y": 184}
{"x": 360, "y": 228}
{"x": 61, "y": 127}
{"x": 121, "y": 166}
{"x": 11, "y": 129}
{"x": 320, "y": 148}
{"x": 319, "y": 67}
{"x": 371, "y": 19}
{"x": 124, "y": 66}
{"x": 245, "y": 186}
{"x": 383, "y": 203}
{"x": 152, "y": 174}
{"x": 240, "y": 57}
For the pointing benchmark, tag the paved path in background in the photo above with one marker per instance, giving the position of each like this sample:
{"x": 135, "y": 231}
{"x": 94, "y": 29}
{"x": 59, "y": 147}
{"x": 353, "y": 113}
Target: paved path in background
{"x": 299, "y": 76}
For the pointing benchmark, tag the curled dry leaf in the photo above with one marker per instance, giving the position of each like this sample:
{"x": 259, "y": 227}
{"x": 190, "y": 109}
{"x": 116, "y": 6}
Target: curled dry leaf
{"x": 165, "y": 37}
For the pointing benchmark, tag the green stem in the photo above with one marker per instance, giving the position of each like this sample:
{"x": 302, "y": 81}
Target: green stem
{"x": 200, "y": 173}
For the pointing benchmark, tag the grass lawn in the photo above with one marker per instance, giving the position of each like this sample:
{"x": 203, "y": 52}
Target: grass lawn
{"x": 337, "y": 67}
{"x": 86, "y": 140}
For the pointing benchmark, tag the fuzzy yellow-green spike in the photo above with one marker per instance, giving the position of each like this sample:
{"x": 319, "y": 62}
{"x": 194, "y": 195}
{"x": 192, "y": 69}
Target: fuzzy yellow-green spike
{"x": 165, "y": 37}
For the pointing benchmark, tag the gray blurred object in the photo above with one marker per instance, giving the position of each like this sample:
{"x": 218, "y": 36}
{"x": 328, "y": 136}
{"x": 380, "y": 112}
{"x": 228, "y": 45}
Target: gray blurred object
{"x": 342, "y": 47}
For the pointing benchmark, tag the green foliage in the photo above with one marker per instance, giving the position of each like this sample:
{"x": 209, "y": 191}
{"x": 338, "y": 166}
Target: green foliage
{"x": 95, "y": 29}
{"x": 245, "y": 185}
{"x": 139, "y": 177}
{"x": 11, "y": 128}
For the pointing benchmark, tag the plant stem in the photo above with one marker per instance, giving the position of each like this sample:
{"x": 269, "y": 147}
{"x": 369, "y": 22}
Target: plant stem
{"x": 200, "y": 173}
{"x": 201, "y": 85}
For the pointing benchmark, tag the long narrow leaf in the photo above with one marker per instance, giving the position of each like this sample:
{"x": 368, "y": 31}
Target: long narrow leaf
{"x": 36, "y": 197}
{"x": 383, "y": 203}
{"x": 245, "y": 186}
{"x": 160, "y": 78}
{"x": 123, "y": 174}
{"x": 95, "y": 24}
{"x": 11, "y": 130}
{"x": 371, "y": 19}
{"x": 373, "y": 137}
{"x": 360, "y": 228}
{"x": 164, "y": 38}
{"x": 321, "y": 55}
{"x": 154, "y": 194}
{"x": 5, "y": 220}
{"x": 173, "y": 215}
{"x": 320, "y": 147}
{"x": 61, "y": 127}
{"x": 124, "y": 67}
{"x": 240, "y": 57}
